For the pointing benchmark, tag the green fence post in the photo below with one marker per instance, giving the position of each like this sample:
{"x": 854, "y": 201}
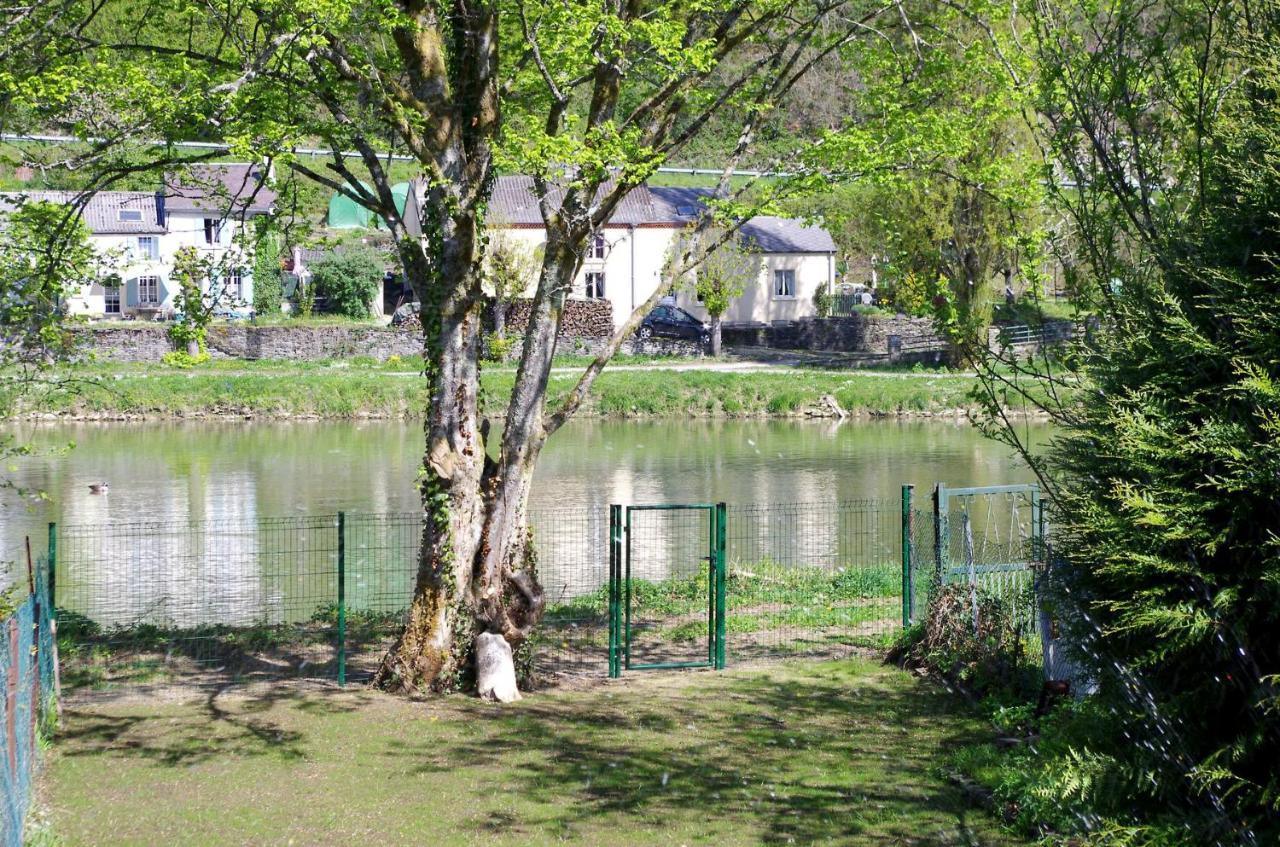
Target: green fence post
{"x": 615, "y": 589}
{"x": 53, "y": 567}
{"x": 626, "y": 597}
{"x": 908, "y": 596}
{"x": 722, "y": 519}
{"x": 342, "y": 598}
{"x": 1037, "y": 526}
{"x": 941, "y": 533}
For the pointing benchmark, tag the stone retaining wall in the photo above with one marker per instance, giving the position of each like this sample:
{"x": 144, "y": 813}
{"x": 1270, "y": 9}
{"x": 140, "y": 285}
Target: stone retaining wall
{"x": 149, "y": 342}
{"x": 853, "y": 334}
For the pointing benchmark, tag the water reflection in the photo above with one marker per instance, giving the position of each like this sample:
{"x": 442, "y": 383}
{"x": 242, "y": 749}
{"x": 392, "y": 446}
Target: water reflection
{"x": 241, "y": 512}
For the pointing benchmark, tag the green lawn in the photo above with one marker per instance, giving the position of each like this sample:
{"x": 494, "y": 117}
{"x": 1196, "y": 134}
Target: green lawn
{"x": 841, "y": 752}
{"x": 362, "y": 388}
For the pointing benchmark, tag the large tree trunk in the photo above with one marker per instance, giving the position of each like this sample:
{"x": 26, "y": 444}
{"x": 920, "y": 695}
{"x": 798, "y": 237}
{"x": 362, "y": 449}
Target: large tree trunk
{"x": 433, "y": 650}
{"x": 716, "y": 343}
{"x": 475, "y": 574}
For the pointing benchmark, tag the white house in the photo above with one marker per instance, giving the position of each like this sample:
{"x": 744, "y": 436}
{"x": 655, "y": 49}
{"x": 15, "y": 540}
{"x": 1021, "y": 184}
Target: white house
{"x": 138, "y": 233}
{"x": 625, "y": 260}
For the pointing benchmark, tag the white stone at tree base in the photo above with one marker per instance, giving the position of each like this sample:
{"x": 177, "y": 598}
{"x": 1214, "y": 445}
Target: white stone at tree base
{"x": 495, "y": 668}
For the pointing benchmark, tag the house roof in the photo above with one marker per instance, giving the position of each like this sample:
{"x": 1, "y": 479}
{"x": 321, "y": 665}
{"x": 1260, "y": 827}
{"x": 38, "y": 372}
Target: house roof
{"x": 769, "y": 233}
{"x": 104, "y": 213}
{"x": 222, "y": 188}
{"x": 514, "y": 203}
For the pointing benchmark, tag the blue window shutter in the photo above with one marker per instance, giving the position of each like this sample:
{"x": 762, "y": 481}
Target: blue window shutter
{"x": 131, "y": 293}
{"x": 163, "y": 290}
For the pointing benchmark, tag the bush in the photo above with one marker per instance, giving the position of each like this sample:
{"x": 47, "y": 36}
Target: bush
{"x": 348, "y": 280}
{"x": 822, "y": 302}
{"x": 183, "y": 359}
{"x": 969, "y": 637}
{"x": 498, "y": 348}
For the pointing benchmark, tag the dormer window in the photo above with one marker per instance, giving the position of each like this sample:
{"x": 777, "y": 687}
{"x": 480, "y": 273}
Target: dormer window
{"x": 686, "y": 211}
{"x": 148, "y": 247}
{"x": 134, "y": 215}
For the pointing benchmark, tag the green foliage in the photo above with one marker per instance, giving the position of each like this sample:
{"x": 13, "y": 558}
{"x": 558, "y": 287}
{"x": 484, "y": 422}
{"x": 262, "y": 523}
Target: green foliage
{"x": 268, "y": 287}
{"x": 822, "y": 301}
{"x": 1166, "y": 474}
{"x": 183, "y": 359}
{"x": 497, "y": 349}
{"x": 348, "y": 279}
{"x": 304, "y": 300}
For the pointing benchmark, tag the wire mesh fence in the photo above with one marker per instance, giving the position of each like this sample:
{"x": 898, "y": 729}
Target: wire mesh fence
{"x": 144, "y": 606}
{"x": 148, "y": 606}
{"x": 27, "y": 673}
{"x": 813, "y": 578}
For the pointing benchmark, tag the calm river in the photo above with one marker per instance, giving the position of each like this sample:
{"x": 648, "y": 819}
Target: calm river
{"x": 200, "y": 471}
{"x": 247, "y": 474}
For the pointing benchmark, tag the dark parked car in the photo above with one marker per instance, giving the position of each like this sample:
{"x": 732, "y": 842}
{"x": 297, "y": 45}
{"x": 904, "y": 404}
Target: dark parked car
{"x": 674, "y": 322}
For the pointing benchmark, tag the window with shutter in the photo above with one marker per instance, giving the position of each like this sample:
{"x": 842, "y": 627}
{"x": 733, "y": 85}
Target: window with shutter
{"x": 148, "y": 291}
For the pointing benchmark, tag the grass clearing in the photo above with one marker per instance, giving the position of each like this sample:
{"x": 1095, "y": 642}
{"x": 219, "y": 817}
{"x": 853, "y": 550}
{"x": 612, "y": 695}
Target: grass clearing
{"x": 367, "y": 388}
{"x": 843, "y": 752}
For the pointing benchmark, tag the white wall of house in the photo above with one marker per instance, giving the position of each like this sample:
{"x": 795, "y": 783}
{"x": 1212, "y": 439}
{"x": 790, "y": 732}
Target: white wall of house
{"x": 766, "y": 302}
{"x": 139, "y": 258}
{"x": 635, "y": 257}
{"x": 632, "y": 264}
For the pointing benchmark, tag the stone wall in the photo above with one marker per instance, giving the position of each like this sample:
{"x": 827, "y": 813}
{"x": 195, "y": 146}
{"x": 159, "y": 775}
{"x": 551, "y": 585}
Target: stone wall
{"x": 868, "y": 333}
{"x": 853, "y": 334}
{"x": 305, "y": 343}
{"x": 147, "y": 342}
{"x": 141, "y": 343}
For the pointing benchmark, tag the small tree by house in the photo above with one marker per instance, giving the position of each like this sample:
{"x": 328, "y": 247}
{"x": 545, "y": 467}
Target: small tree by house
{"x": 722, "y": 277}
{"x": 202, "y": 284}
{"x": 512, "y": 267}
{"x": 348, "y": 280}
{"x": 268, "y": 285}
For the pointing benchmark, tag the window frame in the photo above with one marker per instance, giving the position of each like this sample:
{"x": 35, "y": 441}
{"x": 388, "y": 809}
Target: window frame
{"x": 212, "y": 231}
{"x": 599, "y": 286}
{"x": 111, "y": 294}
{"x": 152, "y": 254}
{"x": 599, "y": 248}
{"x": 121, "y": 215}
{"x": 789, "y": 290}
{"x": 148, "y": 281}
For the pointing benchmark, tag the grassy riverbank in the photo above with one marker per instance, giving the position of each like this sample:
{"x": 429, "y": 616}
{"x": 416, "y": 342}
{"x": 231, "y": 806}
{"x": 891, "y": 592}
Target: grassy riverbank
{"x": 355, "y": 389}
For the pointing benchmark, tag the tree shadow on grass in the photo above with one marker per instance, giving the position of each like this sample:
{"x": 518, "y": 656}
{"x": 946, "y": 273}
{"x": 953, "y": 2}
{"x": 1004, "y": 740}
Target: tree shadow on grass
{"x": 220, "y": 726}
{"x": 837, "y": 759}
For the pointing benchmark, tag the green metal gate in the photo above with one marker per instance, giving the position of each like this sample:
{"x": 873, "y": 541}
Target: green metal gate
{"x": 657, "y": 576}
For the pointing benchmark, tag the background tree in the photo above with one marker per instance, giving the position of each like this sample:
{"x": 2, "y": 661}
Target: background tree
{"x": 203, "y": 289}
{"x": 349, "y": 279}
{"x": 45, "y": 256}
{"x": 723, "y": 275}
{"x": 512, "y": 267}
